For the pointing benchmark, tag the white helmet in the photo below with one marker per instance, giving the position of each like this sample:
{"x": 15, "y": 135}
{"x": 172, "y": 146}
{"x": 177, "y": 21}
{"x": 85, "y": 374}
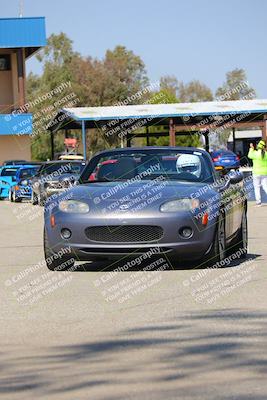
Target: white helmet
{"x": 189, "y": 163}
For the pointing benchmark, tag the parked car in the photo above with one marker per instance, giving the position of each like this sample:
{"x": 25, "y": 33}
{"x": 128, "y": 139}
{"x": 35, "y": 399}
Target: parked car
{"x": 225, "y": 159}
{"x": 15, "y": 162}
{"x": 165, "y": 199}
{"x": 21, "y": 188}
{"x": 54, "y": 177}
{"x": 7, "y": 179}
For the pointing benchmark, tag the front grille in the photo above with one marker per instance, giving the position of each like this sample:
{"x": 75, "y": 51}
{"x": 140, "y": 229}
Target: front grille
{"x": 124, "y": 233}
{"x": 58, "y": 185}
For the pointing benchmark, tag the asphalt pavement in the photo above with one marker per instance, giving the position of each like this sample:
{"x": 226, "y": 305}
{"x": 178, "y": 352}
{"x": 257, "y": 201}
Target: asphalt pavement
{"x": 98, "y": 333}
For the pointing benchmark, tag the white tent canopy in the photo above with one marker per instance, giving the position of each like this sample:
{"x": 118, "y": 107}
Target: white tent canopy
{"x": 168, "y": 110}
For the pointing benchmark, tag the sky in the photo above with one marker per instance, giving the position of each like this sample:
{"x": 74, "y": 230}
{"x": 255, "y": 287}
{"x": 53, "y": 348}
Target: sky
{"x": 190, "y": 39}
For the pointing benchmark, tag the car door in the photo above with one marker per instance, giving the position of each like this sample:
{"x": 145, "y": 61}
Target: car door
{"x": 227, "y": 206}
{"x": 238, "y": 204}
{"x": 233, "y": 206}
{"x": 36, "y": 181}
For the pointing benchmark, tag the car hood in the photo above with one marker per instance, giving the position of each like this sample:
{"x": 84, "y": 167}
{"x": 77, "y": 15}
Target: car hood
{"x": 6, "y": 180}
{"x": 141, "y": 196}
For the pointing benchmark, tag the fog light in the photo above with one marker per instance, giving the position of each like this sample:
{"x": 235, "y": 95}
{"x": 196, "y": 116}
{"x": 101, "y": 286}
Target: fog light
{"x": 186, "y": 232}
{"x": 65, "y": 233}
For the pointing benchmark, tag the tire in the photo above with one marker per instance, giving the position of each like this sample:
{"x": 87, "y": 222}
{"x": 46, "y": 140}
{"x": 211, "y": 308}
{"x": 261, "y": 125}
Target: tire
{"x": 14, "y": 198}
{"x": 217, "y": 252}
{"x": 34, "y": 199}
{"x": 241, "y": 242}
{"x": 10, "y": 196}
{"x": 41, "y": 200}
{"x": 63, "y": 263}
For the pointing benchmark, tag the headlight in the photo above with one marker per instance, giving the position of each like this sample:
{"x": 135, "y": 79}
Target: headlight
{"x": 73, "y": 206}
{"x": 180, "y": 205}
{"x": 24, "y": 182}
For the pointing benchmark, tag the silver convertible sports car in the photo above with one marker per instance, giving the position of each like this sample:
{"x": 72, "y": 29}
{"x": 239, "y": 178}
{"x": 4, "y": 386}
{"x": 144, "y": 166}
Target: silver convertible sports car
{"x": 134, "y": 200}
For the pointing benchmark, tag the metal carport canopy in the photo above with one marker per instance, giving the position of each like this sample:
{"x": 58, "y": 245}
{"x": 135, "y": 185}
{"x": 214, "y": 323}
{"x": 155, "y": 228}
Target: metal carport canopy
{"x": 180, "y": 116}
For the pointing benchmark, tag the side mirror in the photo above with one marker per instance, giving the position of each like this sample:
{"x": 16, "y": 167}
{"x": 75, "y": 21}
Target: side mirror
{"x": 235, "y": 177}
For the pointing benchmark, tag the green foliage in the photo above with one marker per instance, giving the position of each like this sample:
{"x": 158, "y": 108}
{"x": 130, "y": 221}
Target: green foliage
{"x": 170, "y": 84}
{"x": 163, "y": 96}
{"x": 117, "y": 77}
{"x": 194, "y": 91}
{"x": 109, "y": 81}
{"x": 56, "y": 58}
{"x": 236, "y": 87}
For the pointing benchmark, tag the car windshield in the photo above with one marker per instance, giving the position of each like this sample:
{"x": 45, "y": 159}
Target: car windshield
{"x": 9, "y": 171}
{"x": 148, "y": 165}
{"x": 14, "y": 162}
{"x": 27, "y": 172}
{"x": 58, "y": 169}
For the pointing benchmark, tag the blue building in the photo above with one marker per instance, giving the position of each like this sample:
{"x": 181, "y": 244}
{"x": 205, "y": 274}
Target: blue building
{"x": 20, "y": 38}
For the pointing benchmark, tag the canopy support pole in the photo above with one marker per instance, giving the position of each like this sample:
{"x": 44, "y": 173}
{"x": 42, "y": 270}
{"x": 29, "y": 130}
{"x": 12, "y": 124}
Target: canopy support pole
{"x": 128, "y": 140}
{"x": 52, "y": 145}
{"x": 147, "y": 136}
{"x": 172, "y": 133}
{"x": 207, "y": 140}
{"x": 234, "y": 144}
{"x": 84, "y": 139}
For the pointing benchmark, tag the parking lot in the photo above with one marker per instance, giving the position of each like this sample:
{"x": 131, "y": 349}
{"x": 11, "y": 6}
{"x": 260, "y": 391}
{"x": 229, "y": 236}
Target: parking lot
{"x": 100, "y": 334}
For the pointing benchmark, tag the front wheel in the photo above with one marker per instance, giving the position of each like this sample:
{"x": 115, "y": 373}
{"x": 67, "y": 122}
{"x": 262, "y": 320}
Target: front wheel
{"x": 14, "y": 198}
{"x": 218, "y": 249}
{"x": 34, "y": 199}
{"x": 55, "y": 261}
{"x": 240, "y": 248}
{"x": 41, "y": 200}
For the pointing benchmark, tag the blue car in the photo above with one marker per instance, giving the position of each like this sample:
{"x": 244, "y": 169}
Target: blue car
{"x": 7, "y": 179}
{"x": 225, "y": 159}
{"x": 22, "y": 189}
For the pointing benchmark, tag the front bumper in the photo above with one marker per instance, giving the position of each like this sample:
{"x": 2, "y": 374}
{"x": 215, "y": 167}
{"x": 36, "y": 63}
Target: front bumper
{"x": 223, "y": 165}
{"x": 171, "y": 242}
{"x": 24, "y": 192}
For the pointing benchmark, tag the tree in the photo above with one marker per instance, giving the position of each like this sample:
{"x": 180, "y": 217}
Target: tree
{"x": 116, "y": 78}
{"x": 42, "y": 95}
{"x": 119, "y": 78}
{"x": 169, "y": 83}
{"x": 126, "y": 74}
{"x": 236, "y": 87}
{"x": 194, "y": 91}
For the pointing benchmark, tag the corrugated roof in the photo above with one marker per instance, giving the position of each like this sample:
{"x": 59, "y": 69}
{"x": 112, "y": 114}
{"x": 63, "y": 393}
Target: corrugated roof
{"x": 256, "y": 106}
{"x": 22, "y": 32}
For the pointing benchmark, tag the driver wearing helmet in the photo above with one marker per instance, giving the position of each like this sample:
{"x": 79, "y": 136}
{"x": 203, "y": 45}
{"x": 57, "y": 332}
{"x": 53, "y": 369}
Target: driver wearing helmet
{"x": 189, "y": 163}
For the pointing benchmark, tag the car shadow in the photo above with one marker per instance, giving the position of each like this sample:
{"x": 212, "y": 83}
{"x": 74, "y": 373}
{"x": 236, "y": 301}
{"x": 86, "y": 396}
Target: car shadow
{"x": 120, "y": 265}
